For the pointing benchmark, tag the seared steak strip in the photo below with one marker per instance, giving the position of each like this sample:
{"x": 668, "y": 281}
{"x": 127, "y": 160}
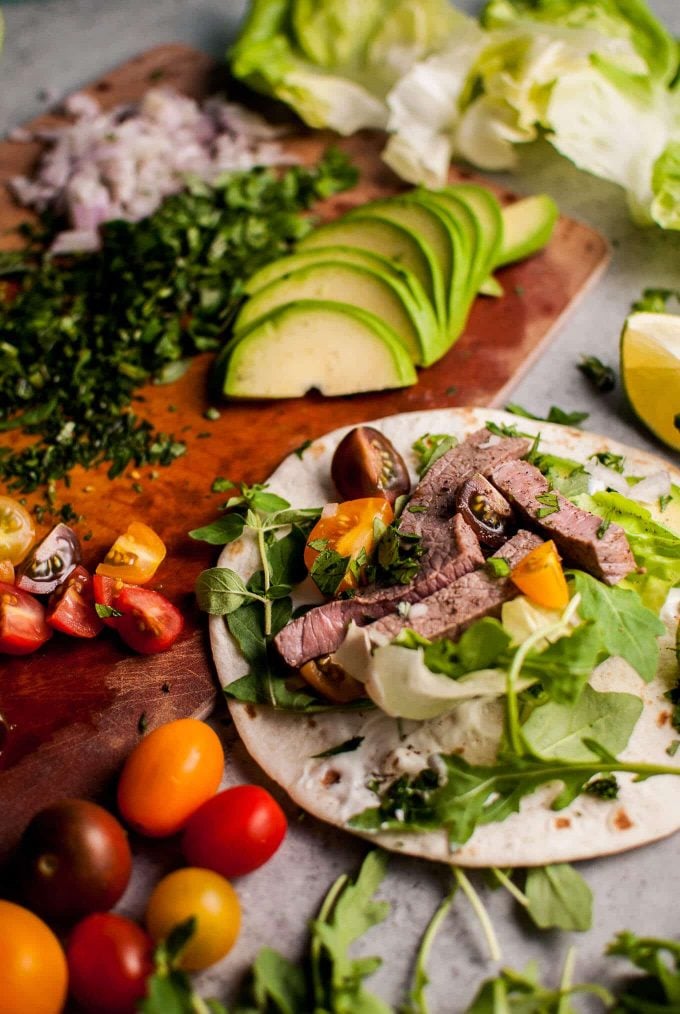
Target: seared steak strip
{"x": 578, "y": 534}
{"x": 451, "y": 610}
{"x": 450, "y": 549}
{"x": 322, "y": 630}
{"x": 434, "y": 499}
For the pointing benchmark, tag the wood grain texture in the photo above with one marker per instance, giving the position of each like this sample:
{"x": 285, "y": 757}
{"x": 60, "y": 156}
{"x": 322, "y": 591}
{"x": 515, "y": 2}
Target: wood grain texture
{"x": 71, "y": 712}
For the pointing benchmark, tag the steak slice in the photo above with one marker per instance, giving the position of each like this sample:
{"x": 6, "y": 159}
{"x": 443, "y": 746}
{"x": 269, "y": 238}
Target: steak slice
{"x": 450, "y": 549}
{"x": 322, "y": 630}
{"x": 451, "y": 610}
{"x": 577, "y": 533}
{"x": 432, "y": 503}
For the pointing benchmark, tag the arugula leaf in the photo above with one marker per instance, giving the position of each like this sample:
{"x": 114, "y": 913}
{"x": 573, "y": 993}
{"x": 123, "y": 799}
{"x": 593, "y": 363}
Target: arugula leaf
{"x": 555, "y": 415}
{"x": 277, "y": 981}
{"x": 169, "y": 989}
{"x": 559, "y": 898}
{"x": 564, "y": 667}
{"x": 558, "y": 729}
{"x": 471, "y": 795}
{"x": 430, "y": 447}
{"x": 655, "y": 300}
{"x": 626, "y": 626}
{"x": 513, "y": 992}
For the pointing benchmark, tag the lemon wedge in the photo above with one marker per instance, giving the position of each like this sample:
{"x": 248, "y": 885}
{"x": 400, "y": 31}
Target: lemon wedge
{"x": 650, "y": 370}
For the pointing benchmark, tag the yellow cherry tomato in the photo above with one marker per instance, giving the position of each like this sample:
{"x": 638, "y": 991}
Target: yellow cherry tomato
{"x": 349, "y": 530}
{"x": 6, "y": 572}
{"x": 33, "y": 970}
{"x": 540, "y": 576}
{"x": 135, "y": 555}
{"x": 168, "y": 775}
{"x": 17, "y": 530}
{"x": 210, "y": 899}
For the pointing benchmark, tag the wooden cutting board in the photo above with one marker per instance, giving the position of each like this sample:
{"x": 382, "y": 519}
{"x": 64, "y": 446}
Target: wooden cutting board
{"x": 71, "y": 712}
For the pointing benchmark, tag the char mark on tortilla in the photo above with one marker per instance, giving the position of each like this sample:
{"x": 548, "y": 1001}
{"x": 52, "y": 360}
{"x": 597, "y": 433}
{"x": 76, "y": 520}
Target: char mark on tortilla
{"x": 451, "y": 610}
{"x": 449, "y": 549}
{"x": 578, "y": 535}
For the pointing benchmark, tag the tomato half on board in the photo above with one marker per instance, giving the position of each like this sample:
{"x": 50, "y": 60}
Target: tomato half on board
{"x": 145, "y": 619}
{"x": 22, "y": 622}
{"x": 135, "y": 555}
{"x": 349, "y": 530}
{"x": 71, "y": 607}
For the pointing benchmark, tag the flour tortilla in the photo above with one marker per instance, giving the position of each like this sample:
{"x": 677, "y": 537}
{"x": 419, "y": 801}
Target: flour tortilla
{"x": 335, "y": 788}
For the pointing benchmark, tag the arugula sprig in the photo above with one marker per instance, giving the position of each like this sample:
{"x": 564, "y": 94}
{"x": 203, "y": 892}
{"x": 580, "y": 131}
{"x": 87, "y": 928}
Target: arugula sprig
{"x": 555, "y": 415}
{"x": 169, "y": 989}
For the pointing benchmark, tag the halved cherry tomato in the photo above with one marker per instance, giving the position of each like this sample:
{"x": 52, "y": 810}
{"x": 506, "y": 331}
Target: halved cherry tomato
{"x": 210, "y": 899}
{"x": 135, "y": 555}
{"x": 71, "y": 606}
{"x": 109, "y": 960}
{"x": 22, "y": 621}
{"x": 33, "y": 973}
{"x": 17, "y": 530}
{"x": 168, "y": 775}
{"x": 349, "y": 529}
{"x": 540, "y": 576}
{"x": 149, "y": 622}
{"x": 235, "y": 832}
{"x": 50, "y": 562}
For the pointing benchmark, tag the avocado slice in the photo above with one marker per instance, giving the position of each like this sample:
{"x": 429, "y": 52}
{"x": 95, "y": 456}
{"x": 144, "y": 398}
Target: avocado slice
{"x": 465, "y": 234}
{"x": 347, "y": 254}
{"x": 333, "y": 347}
{"x": 426, "y": 225}
{"x": 382, "y": 237}
{"x": 527, "y": 226}
{"x": 386, "y": 297}
{"x": 487, "y": 210}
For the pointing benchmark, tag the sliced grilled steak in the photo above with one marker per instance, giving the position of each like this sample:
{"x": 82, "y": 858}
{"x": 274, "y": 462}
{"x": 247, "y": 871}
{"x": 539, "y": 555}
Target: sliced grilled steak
{"x": 450, "y": 549}
{"x": 577, "y": 533}
{"x": 451, "y": 610}
{"x": 322, "y": 630}
{"x": 433, "y": 500}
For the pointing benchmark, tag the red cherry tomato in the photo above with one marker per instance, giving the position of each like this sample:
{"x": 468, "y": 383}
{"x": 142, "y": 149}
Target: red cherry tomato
{"x": 71, "y": 606}
{"x": 73, "y": 859}
{"x": 22, "y": 621}
{"x": 234, "y": 832}
{"x": 109, "y": 960}
{"x": 149, "y": 622}
{"x": 168, "y": 775}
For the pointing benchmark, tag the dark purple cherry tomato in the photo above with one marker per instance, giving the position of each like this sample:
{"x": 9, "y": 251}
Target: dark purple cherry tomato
{"x": 73, "y": 859}
{"x": 484, "y": 509}
{"x": 50, "y": 562}
{"x": 366, "y": 463}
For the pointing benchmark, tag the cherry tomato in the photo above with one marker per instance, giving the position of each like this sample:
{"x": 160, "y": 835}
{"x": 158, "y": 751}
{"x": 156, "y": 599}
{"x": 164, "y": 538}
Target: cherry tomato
{"x": 22, "y": 622}
{"x": 540, "y": 576}
{"x": 109, "y": 960}
{"x": 168, "y": 775}
{"x": 73, "y": 859}
{"x": 33, "y": 972}
{"x": 366, "y": 463}
{"x": 17, "y": 530}
{"x": 210, "y": 899}
{"x": 349, "y": 529}
{"x": 71, "y": 606}
{"x": 50, "y": 562}
{"x": 234, "y": 832}
{"x": 149, "y": 622}
{"x": 135, "y": 555}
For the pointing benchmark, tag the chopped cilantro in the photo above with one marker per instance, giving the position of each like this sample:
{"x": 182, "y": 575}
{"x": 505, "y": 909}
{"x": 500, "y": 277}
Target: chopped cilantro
{"x": 550, "y": 505}
{"x": 497, "y": 566}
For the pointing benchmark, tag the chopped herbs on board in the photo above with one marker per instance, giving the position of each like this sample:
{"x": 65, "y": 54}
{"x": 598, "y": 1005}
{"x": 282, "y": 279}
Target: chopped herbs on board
{"x": 81, "y": 334}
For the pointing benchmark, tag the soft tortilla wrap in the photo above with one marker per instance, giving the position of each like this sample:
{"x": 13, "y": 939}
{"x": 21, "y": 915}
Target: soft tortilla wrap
{"x": 335, "y": 788}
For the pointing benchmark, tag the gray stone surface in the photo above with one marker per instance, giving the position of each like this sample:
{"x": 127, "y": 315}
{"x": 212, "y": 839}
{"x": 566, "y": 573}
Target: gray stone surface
{"x": 52, "y": 47}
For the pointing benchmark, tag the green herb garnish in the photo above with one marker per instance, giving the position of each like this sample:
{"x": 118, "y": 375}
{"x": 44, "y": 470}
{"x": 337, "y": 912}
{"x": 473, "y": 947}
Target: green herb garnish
{"x": 550, "y": 505}
{"x": 600, "y": 376}
{"x": 555, "y": 415}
